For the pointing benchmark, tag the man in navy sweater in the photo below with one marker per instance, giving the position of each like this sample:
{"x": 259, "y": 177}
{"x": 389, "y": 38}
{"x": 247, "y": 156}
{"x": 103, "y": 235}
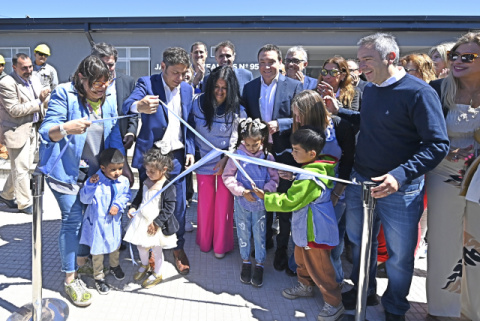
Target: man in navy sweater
{"x": 402, "y": 136}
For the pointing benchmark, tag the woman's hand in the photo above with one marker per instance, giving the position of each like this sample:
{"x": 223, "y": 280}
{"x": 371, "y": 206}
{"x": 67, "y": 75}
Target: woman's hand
{"x": 130, "y": 212}
{"x": 457, "y": 154}
{"x": 152, "y": 229}
{"x": 443, "y": 73}
{"x": 220, "y": 166}
{"x": 324, "y": 89}
{"x": 77, "y": 126}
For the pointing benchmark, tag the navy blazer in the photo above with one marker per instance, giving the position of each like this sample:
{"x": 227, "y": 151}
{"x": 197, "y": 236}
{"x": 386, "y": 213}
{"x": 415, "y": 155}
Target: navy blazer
{"x": 124, "y": 86}
{"x": 154, "y": 125}
{"x": 287, "y": 88}
{"x": 309, "y": 83}
{"x": 243, "y": 77}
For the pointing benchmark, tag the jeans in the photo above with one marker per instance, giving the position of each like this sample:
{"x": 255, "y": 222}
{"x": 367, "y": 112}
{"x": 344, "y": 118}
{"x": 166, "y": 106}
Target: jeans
{"x": 180, "y": 188}
{"x": 399, "y": 213}
{"x": 70, "y": 231}
{"x": 248, "y": 222}
{"x": 338, "y": 250}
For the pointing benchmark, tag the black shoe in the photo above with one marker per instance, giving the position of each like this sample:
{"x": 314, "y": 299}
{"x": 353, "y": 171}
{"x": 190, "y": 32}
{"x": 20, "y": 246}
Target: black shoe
{"x": 257, "y": 278}
{"x": 349, "y": 299}
{"x": 27, "y": 210}
{"x": 9, "y": 203}
{"x": 393, "y": 317}
{"x": 290, "y": 272}
{"x": 246, "y": 274}
{"x": 117, "y": 272}
{"x": 102, "y": 286}
{"x": 280, "y": 262}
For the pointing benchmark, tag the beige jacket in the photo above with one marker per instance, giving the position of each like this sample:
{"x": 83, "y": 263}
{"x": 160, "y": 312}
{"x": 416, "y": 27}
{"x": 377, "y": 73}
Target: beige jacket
{"x": 17, "y": 106}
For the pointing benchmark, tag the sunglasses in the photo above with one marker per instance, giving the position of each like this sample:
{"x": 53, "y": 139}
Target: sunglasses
{"x": 465, "y": 57}
{"x": 409, "y": 70}
{"x": 294, "y": 61}
{"x": 41, "y": 54}
{"x": 100, "y": 84}
{"x": 332, "y": 72}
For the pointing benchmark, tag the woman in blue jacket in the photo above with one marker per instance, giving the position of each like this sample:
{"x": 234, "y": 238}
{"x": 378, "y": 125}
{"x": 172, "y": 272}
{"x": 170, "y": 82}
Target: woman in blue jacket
{"x": 75, "y": 118}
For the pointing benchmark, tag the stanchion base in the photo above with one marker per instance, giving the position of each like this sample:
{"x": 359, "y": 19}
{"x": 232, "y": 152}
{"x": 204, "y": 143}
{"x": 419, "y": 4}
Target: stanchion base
{"x": 349, "y": 317}
{"x": 52, "y": 309}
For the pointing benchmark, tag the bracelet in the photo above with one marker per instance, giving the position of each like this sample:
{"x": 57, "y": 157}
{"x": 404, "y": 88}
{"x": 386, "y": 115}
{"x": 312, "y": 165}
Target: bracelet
{"x": 63, "y": 131}
{"x": 333, "y": 192}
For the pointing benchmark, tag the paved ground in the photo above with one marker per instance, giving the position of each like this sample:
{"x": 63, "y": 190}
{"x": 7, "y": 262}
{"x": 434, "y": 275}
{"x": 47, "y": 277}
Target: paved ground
{"x": 212, "y": 290}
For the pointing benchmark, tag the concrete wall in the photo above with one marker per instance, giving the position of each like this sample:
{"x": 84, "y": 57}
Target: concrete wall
{"x": 69, "y": 48}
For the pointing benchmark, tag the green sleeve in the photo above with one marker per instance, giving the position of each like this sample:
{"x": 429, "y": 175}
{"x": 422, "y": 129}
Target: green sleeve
{"x": 299, "y": 195}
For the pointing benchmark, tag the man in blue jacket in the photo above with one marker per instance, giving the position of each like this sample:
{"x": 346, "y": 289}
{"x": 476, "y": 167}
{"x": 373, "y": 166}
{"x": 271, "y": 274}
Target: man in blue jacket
{"x": 402, "y": 136}
{"x": 268, "y": 97}
{"x": 161, "y": 128}
{"x": 296, "y": 60}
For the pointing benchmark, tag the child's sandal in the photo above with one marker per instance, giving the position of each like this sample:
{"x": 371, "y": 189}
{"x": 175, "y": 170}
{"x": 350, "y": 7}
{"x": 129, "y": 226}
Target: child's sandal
{"x": 140, "y": 275}
{"x": 151, "y": 283}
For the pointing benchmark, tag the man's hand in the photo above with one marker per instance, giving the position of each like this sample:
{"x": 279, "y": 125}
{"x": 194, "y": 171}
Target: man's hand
{"x": 300, "y": 76}
{"x": 260, "y": 193}
{"x": 220, "y": 166}
{"x": 199, "y": 74}
{"x": 44, "y": 94}
{"x": 113, "y": 210}
{"x": 189, "y": 160}
{"x": 273, "y": 127}
{"x": 387, "y": 187}
{"x": 94, "y": 178}
{"x": 152, "y": 229}
{"x": 128, "y": 141}
{"x": 148, "y": 105}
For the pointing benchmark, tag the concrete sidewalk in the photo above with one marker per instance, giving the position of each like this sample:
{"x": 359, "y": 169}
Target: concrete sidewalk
{"x": 212, "y": 290}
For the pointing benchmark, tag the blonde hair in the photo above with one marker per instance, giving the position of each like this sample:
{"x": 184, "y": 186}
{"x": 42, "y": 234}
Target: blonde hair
{"x": 312, "y": 109}
{"x": 424, "y": 65}
{"x": 442, "y": 50}
{"x": 347, "y": 90}
{"x": 450, "y": 83}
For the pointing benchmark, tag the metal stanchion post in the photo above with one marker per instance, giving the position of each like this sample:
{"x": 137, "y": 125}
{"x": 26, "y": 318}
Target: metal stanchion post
{"x": 46, "y": 309}
{"x": 365, "y": 253}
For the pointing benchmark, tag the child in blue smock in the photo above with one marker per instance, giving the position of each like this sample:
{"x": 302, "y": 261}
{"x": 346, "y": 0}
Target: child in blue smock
{"x": 106, "y": 193}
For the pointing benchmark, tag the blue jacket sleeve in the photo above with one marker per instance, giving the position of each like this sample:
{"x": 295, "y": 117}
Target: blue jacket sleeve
{"x": 137, "y": 94}
{"x": 87, "y": 193}
{"x": 123, "y": 195}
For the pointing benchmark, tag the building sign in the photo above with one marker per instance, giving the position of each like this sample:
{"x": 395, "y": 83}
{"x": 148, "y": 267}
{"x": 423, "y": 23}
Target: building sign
{"x": 249, "y": 66}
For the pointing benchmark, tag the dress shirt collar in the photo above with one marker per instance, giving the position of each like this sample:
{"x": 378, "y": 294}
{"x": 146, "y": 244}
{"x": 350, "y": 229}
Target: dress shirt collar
{"x": 396, "y": 77}
{"x": 275, "y": 80}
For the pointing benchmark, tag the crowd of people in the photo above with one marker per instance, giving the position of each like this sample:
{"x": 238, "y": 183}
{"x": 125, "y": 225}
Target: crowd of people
{"x": 381, "y": 117}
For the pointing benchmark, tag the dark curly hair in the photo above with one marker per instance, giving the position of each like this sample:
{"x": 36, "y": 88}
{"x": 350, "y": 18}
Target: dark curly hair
{"x": 154, "y": 157}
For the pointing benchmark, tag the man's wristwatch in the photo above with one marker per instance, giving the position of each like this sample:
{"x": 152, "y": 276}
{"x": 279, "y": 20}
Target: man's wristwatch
{"x": 63, "y": 131}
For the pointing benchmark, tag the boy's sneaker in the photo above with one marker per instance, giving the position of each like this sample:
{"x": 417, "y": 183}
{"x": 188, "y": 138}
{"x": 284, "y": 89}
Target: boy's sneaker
{"x": 246, "y": 274}
{"x": 102, "y": 286}
{"x": 257, "y": 278}
{"x": 117, "y": 272}
{"x": 78, "y": 293}
{"x": 298, "y": 291}
{"x": 330, "y": 313}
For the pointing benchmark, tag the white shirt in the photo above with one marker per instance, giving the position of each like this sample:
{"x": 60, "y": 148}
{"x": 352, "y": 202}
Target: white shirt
{"x": 267, "y": 98}
{"x": 173, "y": 134}
{"x": 390, "y": 81}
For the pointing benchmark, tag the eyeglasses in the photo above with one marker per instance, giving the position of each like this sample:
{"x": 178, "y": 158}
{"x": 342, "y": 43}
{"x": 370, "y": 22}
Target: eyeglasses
{"x": 465, "y": 57}
{"x": 41, "y": 54}
{"x": 409, "y": 70}
{"x": 294, "y": 61}
{"x": 332, "y": 72}
{"x": 100, "y": 84}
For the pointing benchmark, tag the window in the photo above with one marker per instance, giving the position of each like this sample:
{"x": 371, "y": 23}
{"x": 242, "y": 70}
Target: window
{"x": 9, "y": 52}
{"x": 134, "y": 61}
{"x": 212, "y": 51}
